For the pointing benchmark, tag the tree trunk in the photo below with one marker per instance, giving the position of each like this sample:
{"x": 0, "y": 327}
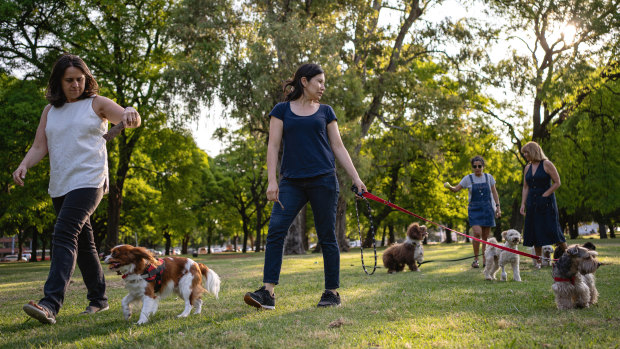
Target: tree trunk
{"x": 35, "y": 245}
{"x": 612, "y": 231}
{"x": 43, "y": 241}
{"x": 392, "y": 236}
{"x": 573, "y": 230}
{"x": 497, "y": 233}
{"x": 448, "y": 239}
{"x": 184, "y": 244}
{"x": 168, "y": 243}
{"x": 383, "y": 237}
{"x": 602, "y": 230}
{"x": 114, "y": 214}
{"x": 516, "y": 219}
{"x": 293, "y": 243}
{"x": 467, "y": 227}
{"x": 244, "y": 249}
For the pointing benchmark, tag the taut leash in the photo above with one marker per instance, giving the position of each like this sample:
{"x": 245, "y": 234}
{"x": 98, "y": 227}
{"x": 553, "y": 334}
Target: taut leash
{"x": 372, "y": 229}
{"x": 370, "y": 196}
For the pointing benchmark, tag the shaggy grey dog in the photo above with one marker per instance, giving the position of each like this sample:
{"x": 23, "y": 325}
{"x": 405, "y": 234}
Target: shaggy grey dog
{"x": 573, "y": 275}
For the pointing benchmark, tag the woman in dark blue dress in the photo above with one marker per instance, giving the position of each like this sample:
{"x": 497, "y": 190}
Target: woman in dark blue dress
{"x": 541, "y": 180}
{"x": 483, "y": 203}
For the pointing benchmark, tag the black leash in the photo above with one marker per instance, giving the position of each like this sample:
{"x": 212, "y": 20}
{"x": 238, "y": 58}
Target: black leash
{"x": 372, "y": 229}
{"x": 447, "y": 260}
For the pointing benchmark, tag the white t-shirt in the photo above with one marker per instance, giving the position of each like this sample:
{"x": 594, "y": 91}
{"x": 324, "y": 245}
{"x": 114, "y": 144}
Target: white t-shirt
{"x": 466, "y": 183}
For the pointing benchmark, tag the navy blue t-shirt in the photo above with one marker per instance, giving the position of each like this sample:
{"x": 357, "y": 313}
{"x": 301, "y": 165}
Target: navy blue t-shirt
{"x": 307, "y": 152}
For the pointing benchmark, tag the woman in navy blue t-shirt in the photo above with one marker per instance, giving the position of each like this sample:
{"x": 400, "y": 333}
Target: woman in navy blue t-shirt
{"x": 311, "y": 142}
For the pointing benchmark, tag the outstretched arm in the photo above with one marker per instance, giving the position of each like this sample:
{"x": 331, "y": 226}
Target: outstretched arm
{"x": 342, "y": 155}
{"x": 108, "y": 109}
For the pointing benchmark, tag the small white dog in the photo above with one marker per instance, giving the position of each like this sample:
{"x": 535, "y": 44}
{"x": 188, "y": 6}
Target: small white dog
{"x": 547, "y": 253}
{"x": 497, "y": 258}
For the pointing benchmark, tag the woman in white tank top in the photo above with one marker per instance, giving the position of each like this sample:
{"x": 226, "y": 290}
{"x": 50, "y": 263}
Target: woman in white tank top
{"x": 71, "y": 130}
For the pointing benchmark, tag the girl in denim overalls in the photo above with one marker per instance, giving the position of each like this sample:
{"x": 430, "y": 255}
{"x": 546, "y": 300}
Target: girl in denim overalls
{"x": 483, "y": 203}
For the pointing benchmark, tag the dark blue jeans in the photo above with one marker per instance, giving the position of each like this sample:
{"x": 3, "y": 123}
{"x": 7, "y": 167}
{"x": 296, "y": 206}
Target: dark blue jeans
{"x": 322, "y": 192}
{"x": 73, "y": 241}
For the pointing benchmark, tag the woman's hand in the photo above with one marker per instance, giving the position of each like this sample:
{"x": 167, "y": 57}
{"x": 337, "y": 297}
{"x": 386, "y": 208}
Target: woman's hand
{"x": 447, "y": 185}
{"x": 498, "y": 212}
{"x": 361, "y": 187}
{"x": 273, "y": 192}
{"x": 19, "y": 175}
{"x": 522, "y": 210}
{"x": 131, "y": 118}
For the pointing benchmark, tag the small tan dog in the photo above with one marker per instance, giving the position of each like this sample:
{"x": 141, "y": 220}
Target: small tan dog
{"x": 573, "y": 275}
{"x": 497, "y": 258}
{"x": 547, "y": 254}
{"x": 408, "y": 253}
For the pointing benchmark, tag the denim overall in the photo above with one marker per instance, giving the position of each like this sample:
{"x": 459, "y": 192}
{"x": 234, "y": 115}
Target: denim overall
{"x": 480, "y": 209}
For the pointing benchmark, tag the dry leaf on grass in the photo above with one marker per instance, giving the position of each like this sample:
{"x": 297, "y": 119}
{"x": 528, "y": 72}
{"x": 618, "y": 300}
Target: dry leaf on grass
{"x": 336, "y": 323}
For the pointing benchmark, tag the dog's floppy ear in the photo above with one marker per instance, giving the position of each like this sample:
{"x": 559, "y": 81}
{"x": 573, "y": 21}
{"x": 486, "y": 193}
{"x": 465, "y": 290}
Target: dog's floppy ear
{"x": 143, "y": 253}
{"x": 590, "y": 246}
{"x": 504, "y": 234}
{"x": 558, "y": 252}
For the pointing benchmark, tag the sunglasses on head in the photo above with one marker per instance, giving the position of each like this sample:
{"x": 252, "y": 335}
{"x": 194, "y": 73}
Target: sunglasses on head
{"x": 477, "y": 166}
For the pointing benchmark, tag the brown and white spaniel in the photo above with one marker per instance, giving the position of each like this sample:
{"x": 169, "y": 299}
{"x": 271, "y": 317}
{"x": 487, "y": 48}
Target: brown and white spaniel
{"x": 148, "y": 280}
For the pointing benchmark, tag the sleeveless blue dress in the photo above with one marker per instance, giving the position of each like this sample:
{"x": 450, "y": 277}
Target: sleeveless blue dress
{"x": 480, "y": 208}
{"x": 542, "y": 224}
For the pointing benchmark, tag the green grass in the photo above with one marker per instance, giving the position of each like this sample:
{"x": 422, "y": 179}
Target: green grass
{"x": 446, "y": 305}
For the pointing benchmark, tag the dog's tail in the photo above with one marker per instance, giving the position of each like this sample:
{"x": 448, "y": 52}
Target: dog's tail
{"x": 210, "y": 280}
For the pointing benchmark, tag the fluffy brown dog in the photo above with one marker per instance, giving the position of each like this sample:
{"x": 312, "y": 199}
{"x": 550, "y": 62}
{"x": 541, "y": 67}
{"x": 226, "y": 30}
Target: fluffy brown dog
{"x": 408, "y": 253}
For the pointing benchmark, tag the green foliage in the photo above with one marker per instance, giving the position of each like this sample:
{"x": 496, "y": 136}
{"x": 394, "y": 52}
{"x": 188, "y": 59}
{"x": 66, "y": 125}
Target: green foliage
{"x": 585, "y": 150}
{"x": 25, "y": 207}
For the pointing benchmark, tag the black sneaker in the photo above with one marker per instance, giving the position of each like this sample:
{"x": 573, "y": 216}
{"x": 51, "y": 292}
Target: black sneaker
{"x": 329, "y": 299}
{"x": 40, "y": 313}
{"x": 260, "y": 298}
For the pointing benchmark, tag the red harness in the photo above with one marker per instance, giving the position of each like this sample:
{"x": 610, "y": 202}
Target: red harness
{"x": 153, "y": 274}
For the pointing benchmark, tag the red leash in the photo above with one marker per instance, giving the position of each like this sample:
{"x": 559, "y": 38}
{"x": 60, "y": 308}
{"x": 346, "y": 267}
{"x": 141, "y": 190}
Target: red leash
{"x": 370, "y": 196}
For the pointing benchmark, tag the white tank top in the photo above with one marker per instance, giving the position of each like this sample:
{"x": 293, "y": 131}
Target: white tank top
{"x": 77, "y": 151}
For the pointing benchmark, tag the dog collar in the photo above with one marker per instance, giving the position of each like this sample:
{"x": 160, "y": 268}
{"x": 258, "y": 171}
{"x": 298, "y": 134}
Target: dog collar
{"x": 571, "y": 280}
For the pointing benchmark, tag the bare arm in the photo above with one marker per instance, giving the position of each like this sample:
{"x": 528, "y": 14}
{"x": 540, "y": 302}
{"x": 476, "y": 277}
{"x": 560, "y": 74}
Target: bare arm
{"x": 108, "y": 109}
{"x": 498, "y": 211}
{"x": 36, "y": 152}
{"x": 524, "y": 191}
{"x": 273, "y": 147}
{"x": 342, "y": 155}
{"x": 453, "y": 189}
{"x": 555, "y": 177}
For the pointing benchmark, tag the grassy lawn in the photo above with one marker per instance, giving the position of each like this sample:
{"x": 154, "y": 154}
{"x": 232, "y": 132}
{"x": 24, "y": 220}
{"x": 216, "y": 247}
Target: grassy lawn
{"x": 445, "y": 305}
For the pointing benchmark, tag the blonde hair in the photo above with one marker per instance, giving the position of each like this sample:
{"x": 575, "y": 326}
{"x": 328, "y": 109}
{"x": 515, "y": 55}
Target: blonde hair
{"x": 535, "y": 151}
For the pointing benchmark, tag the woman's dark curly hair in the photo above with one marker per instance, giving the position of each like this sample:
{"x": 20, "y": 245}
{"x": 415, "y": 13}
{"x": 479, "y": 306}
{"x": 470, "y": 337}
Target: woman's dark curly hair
{"x": 477, "y": 158}
{"x": 308, "y": 71}
{"x": 54, "y": 93}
